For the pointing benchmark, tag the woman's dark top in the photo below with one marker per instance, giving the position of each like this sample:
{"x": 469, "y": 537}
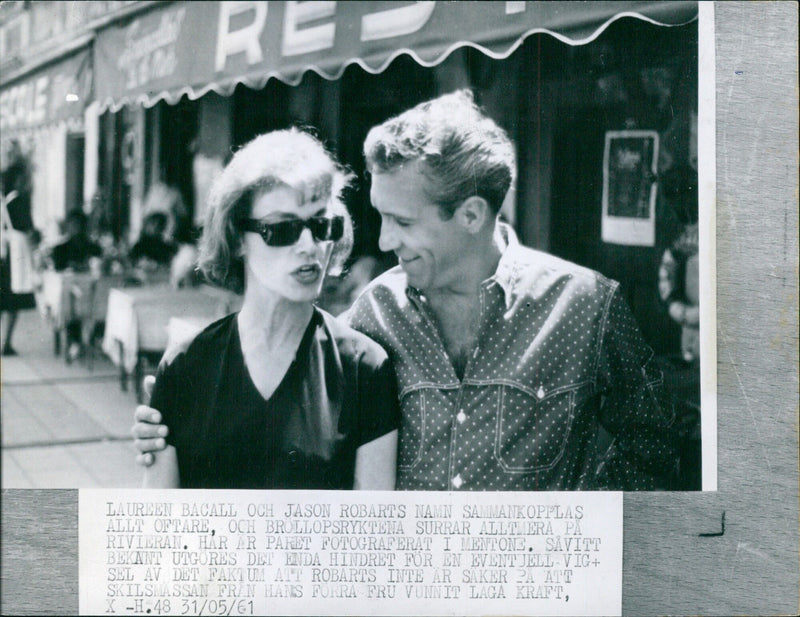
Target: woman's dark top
{"x": 16, "y": 177}
{"x": 338, "y": 394}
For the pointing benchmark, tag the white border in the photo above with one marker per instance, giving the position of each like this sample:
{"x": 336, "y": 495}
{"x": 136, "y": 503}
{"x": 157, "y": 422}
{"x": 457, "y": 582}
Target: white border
{"x": 707, "y": 201}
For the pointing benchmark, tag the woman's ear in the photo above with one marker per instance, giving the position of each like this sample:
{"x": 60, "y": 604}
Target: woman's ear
{"x": 473, "y": 213}
{"x": 240, "y": 247}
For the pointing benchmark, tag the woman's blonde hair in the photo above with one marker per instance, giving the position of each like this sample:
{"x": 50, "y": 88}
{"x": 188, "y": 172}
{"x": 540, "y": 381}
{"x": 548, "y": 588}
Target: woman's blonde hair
{"x": 289, "y": 157}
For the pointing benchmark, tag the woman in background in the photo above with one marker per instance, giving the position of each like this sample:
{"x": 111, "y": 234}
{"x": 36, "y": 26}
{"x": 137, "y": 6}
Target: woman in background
{"x": 280, "y": 395}
{"x": 152, "y": 250}
{"x": 17, "y": 240}
{"x": 77, "y": 251}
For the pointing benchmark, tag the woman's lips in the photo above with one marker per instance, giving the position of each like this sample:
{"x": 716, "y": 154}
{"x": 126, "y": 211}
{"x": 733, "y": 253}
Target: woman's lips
{"x": 307, "y": 274}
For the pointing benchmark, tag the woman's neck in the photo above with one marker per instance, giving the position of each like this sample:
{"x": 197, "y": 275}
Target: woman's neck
{"x": 272, "y": 321}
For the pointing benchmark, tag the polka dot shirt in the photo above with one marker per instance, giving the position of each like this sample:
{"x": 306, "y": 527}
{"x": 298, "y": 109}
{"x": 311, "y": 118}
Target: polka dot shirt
{"x": 558, "y": 355}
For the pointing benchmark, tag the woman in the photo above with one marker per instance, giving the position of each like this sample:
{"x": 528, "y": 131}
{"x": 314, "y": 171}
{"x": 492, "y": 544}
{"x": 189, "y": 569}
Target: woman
{"x": 280, "y": 395}
{"x": 77, "y": 251}
{"x": 151, "y": 249}
{"x": 17, "y": 240}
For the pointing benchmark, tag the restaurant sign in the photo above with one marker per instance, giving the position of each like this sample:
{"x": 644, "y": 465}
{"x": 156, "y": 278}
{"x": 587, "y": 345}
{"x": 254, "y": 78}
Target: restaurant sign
{"x": 56, "y": 93}
{"x": 184, "y": 48}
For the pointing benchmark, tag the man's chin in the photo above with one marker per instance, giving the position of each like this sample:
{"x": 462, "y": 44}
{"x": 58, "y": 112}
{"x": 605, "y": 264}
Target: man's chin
{"x": 417, "y": 282}
{"x": 415, "y": 273}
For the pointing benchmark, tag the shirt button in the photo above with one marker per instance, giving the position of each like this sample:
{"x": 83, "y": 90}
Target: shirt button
{"x": 457, "y": 481}
{"x": 540, "y": 392}
{"x": 461, "y": 417}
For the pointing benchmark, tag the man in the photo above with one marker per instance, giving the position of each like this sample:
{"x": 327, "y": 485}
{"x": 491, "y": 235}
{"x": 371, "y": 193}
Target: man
{"x": 511, "y": 364}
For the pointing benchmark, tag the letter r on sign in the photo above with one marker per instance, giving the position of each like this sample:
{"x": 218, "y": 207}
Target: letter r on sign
{"x": 243, "y": 40}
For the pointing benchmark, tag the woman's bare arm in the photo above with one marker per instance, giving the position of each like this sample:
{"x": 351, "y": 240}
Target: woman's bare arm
{"x": 163, "y": 473}
{"x": 376, "y": 463}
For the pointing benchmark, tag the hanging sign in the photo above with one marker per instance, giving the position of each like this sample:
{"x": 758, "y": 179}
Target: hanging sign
{"x": 630, "y": 162}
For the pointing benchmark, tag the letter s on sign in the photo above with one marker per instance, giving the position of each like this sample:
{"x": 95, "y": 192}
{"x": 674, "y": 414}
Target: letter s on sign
{"x": 242, "y": 40}
{"x": 396, "y": 22}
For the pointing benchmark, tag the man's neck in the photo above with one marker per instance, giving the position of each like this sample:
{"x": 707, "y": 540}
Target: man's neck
{"x": 456, "y": 309}
{"x": 479, "y": 264}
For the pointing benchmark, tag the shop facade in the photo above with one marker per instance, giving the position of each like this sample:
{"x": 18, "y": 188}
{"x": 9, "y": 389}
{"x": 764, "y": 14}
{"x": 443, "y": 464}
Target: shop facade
{"x": 177, "y": 86}
{"x": 43, "y": 113}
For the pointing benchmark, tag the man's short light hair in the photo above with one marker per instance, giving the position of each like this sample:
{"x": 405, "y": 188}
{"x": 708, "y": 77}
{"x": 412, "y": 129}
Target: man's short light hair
{"x": 463, "y": 151}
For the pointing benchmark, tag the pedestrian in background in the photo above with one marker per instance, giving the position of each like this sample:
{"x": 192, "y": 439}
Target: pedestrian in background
{"x": 18, "y": 277}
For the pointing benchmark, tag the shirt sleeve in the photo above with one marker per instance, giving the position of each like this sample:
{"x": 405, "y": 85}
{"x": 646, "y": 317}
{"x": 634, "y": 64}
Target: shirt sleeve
{"x": 379, "y": 407}
{"x": 636, "y": 409}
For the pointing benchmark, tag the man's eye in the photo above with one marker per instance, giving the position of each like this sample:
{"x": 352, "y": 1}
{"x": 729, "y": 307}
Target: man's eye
{"x": 402, "y": 223}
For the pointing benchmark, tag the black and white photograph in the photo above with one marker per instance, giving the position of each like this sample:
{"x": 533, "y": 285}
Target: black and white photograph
{"x": 472, "y": 260}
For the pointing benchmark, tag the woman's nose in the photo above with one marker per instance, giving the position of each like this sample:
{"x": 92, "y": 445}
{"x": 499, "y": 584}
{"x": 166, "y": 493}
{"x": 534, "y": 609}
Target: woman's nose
{"x": 306, "y": 241}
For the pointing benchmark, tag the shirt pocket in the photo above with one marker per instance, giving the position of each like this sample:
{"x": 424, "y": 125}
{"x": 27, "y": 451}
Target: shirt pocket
{"x": 412, "y": 429}
{"x": 532, "y": 433}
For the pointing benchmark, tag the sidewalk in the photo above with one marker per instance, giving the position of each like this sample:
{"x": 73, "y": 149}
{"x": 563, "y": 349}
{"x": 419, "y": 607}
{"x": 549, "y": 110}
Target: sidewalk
{"x": 63, "y": 426}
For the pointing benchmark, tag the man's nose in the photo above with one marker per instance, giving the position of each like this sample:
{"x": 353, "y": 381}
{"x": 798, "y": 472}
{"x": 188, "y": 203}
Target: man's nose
{"x": 387, "y": 240}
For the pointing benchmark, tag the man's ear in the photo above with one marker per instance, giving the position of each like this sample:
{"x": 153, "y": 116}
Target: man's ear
{"x": 473, "y": 213}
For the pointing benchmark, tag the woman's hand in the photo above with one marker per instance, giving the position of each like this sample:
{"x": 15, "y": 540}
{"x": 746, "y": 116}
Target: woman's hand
{"x": 148, "y": 432}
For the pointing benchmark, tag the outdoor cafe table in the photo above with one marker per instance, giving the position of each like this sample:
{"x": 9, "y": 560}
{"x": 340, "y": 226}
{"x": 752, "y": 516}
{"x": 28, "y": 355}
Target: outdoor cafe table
{"x": 137, "y": 320}
{"x": 182, "y": 329}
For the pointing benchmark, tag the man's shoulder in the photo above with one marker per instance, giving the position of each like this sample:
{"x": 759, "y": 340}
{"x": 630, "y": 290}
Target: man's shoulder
{"x": 388, "y": 288}
{"x": 535, "y": 272}
{"x": 393, "y": 280}
{"x": 351, "y": 343}
{"x": 385, "y": 296}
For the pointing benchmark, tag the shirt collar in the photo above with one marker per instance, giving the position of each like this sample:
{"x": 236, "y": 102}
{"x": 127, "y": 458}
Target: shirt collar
{"x": 508, "y": 270}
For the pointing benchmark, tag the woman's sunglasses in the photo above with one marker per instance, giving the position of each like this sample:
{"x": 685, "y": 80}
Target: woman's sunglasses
{"x": 286, "y": 233}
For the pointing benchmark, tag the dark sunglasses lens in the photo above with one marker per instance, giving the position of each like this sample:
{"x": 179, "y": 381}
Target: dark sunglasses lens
{"x": 319, "y": 227}
{"x": 284, "y": 233}
{"x": 327, "y": 229}
{"x": 337, "y": 228}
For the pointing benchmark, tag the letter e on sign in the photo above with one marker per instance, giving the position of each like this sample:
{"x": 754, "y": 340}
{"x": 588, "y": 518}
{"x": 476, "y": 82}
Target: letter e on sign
{"x": 302, "y": 41}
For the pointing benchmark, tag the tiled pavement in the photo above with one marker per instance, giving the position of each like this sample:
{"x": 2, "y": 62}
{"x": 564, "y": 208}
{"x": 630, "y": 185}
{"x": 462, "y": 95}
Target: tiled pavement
{"x": 62, "y": 426}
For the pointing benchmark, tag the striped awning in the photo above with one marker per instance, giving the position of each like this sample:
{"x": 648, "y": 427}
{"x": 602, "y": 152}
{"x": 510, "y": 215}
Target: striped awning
{"x": 190, "y": 48}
